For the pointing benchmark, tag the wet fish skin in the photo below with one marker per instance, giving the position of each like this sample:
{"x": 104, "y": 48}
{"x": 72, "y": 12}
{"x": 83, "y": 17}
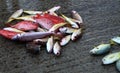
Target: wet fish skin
{"x": 56, "y": 49}
{"x": 77, "y": 16}
{"x": 41, "y": 30}
{"x": 31, "y": 36}
{"x": 76, "y": 34}
{"x": 25, "y": 26}
{"x": 52, "y": 10}
{"x": 118, "y": 65}
{"x": 65, "y": 40}
{"x": 68, "y": 30}
{"x": 100, "y": 49}
{"x": 41, "y": 41}
{"x": 73, "y": 24}
{"x": 116, "y": 40}
{"x": 26, "y": 18}
{"x": 33, "y": 12}
{"x": 45, "y": 23}
{"x": 13, "y": 29}
{"x": 111, "y": 58}
{"x": 15, "y": 15}
{"x": 56, "y": 26}
{"x": 49, "y": 44}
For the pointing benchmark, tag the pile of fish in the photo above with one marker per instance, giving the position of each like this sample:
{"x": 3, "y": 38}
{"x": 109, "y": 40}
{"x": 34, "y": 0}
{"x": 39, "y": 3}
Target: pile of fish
{"x": 43, "y": 28}
{"x": 104, "y": 48}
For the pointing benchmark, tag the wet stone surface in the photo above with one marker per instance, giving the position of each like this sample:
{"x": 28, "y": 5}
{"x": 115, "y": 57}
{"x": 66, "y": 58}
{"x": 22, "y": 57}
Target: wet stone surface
{"x": 102, "y": 22}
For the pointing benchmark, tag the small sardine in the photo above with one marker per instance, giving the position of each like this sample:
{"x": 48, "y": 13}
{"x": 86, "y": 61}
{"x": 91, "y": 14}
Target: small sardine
{"x": 77, "y": 16}
{"x": 56, "y": 26}
{"x": 118, "y": 65}
{"x": 15, "y": 15}
{"x": 27, "y": 18}
{"x": 67, "y": 30}
{"x": 33, "y": 12}
{"x": 56, "y": 49}
{"x": 41, "y": 29}
{"x": 41, "y": 41}
{"x": 49, "y": 44}
{"x": 111, "y": 58}
{"x": 76, "y": 21}
{"x": 76, "y": 34}
{"x": 100, "y": 49}
{"x": 73, "y": 24}
{"x": 116, "y": 40}
{"x": 13, "y": 29}
{"x": 65, "y": 40}
{"x": 52, "y": 10}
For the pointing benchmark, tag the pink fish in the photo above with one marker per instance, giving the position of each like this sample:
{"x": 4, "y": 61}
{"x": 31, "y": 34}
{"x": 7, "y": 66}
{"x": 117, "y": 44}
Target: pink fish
{"x": 26, "y": 26}
{"x": 8, "y": 34}
{"x": 47, "y": 21}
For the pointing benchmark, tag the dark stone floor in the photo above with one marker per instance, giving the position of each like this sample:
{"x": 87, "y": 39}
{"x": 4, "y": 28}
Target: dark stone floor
{"x": 102, "y": 21}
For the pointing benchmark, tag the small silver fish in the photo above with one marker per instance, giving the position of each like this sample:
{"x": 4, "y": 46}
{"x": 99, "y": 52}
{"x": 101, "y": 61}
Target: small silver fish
{"x": 76, "y": 21}
{"x": 13, "y": 29}
{"x": 77, "y": 16}
{"x": 28, "y": 18}
{"x": 76, "y": 34}
{"x": 116, "y": 40}
{"x": 31, "y": 36}
{"x": 118, "y": 65}
{"x": 41, "y": 41}
{"x": 73, "y": 24}
{"x": 52, "y": 10}
{"x": 65, "y": 40}
{"x": 41, "y": 29}
{"x": 100, "y": 49}
{"x": 56, "y": 49}
{"x": 49, "y": 44}
{"x": 15, "y": 15}
{"x": 67, "y": 30}
{"x": 110, "y": 58}
{"x": 33, "y": 12}
{"x": 56, "y": 26}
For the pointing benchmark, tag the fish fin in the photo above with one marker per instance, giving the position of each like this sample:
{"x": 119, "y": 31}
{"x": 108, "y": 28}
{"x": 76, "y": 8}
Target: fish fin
{"x": 112, "y": 42}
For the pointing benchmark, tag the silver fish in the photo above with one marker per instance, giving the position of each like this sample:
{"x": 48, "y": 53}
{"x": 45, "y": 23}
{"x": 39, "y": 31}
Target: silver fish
{"x": 33, "y": 12}
{"x": 116, "y": 40}
{"x": 118, "y": 65}
{"x": 76, "y": 34}
{"x": 77, "y": 16}
{"x": 49, "y": 44}
{"x": 56, "y": 26}
{"x": 28, "y": 18}
{"x": 73, "y": 24}
{"x": 110, "y": 58}
{"x": 101, "y": 49}
{"x": 31, "y": 36}
{"x": 41, "y": 41}
{"x": 67, "y": 30}
{"x": 13, "y": 29}
{"x": 56, "y": 49}
{"x": 52, "y": 10}
{"x": 65, "y": 40}
{"x": 41, "y": 29}
{"x": 15, "y": 15}
{"x": 76, "y": 21}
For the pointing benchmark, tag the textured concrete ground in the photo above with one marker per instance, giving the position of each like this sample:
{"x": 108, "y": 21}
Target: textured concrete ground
{"x": 102, "y": 21}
